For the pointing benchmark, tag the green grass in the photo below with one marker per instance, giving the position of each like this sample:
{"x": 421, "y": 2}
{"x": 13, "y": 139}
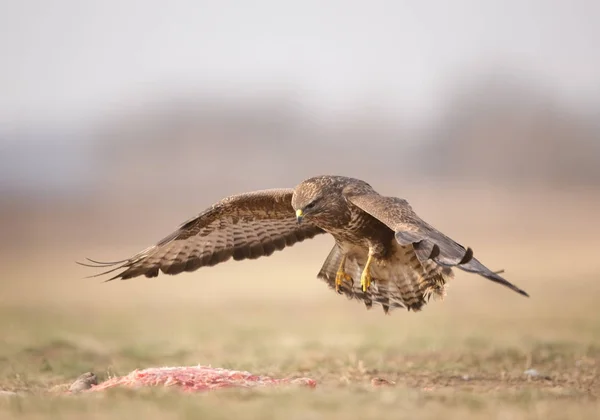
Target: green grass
{"x": 444, "y": 361}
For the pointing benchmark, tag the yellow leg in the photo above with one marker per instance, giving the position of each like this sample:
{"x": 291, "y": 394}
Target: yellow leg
{"x": 365, "y": 278}
{"x": 341, "y": 275}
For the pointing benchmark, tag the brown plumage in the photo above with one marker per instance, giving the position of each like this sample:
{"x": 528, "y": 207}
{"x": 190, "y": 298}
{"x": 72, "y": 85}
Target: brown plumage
{"x": 403, "y": 260}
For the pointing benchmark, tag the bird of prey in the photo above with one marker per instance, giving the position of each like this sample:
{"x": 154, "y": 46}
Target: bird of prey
{"x": 383, "y": 254}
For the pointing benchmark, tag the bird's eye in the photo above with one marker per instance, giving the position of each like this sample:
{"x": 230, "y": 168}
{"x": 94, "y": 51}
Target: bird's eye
{"x": 310, "y": 205}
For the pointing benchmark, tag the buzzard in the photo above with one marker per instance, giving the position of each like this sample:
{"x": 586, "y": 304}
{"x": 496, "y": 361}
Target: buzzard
{"x": 383, "y": 254}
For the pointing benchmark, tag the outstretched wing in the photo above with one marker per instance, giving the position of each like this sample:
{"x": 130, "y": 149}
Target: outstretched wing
{"x": 245, "y": 226}
{"x": 429, "y": 243}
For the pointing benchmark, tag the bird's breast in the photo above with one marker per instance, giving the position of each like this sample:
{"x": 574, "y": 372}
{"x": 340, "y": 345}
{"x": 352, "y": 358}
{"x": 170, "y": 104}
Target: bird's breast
{"x": 360, "y": 229}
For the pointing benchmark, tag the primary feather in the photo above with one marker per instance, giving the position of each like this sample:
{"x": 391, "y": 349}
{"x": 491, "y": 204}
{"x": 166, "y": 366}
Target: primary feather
{"x": 245, "y": 226}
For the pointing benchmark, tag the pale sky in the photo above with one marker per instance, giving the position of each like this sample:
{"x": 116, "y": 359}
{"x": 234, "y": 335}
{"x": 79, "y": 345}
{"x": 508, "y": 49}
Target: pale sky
{"x": 68, "y": 60}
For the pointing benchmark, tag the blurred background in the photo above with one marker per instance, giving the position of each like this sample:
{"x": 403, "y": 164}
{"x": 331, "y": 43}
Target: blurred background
{"x": 121, "y": 119}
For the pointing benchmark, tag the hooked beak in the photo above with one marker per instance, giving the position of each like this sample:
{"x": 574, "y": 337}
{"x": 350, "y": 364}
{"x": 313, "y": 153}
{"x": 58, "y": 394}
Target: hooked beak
{"x": 299, "y": 216}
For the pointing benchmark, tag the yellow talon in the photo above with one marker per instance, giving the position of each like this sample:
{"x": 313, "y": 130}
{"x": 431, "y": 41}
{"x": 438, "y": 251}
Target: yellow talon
{"x": 365, "y": 278}
{"x": 341, "y": 275}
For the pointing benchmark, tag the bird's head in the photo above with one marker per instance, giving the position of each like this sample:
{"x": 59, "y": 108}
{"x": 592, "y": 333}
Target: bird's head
{"x": 317, "y": 198}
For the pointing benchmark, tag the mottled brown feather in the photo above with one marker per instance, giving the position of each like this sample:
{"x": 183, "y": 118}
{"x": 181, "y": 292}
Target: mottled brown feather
{"x": 429, "y": 243}
{"x": 245, "y": 226}
{"x": 414, "y": 284}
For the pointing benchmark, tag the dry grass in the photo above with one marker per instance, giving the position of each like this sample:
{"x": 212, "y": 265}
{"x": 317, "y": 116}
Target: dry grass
{"x": 460, "y": 358}
{"x": 457, "y": 357}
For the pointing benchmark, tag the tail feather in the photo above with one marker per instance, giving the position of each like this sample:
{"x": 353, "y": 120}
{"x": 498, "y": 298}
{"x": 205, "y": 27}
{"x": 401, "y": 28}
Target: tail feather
{"x": 331, "y": 264}
{"x": 401, "y": 282}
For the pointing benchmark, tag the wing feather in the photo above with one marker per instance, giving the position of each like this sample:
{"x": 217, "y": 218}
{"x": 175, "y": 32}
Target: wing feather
{"x": 245, "y": 226}
{"x": 428, "y": 242}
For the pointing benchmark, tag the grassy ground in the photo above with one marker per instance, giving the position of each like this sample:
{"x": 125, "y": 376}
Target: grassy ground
{"x": 464, "y": 357}
{"x": 458, "y": 357}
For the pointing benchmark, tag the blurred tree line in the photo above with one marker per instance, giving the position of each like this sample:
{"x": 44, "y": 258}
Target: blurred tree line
{"x": 174, "y": 156}
{"x": 494, "y": 130}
